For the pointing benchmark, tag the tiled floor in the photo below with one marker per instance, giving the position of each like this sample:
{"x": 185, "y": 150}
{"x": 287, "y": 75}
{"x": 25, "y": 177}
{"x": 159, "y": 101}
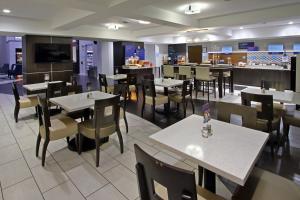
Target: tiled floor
{"x": 70, "y": 176}
{"x": 66, "y": 174}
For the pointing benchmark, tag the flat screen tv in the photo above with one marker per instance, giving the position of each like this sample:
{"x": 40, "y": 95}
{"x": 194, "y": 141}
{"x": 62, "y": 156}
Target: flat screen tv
{"x": 227, "y": 49}
{"x": 275, "y": 48}
{"x": 56, "y": 53}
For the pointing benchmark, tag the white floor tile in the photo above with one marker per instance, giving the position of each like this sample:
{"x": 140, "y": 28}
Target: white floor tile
{"x": 10, "y": 153}
{"x": 49, "y": 176}
{"x": 65, "y": 191}
{"x": 86, "y": 179}
{"x": 6, "y": 140}
{"x": 34, "y": 161}
{"x": 128, "y": 160}
{"x": 108, "y": 192}
{"x": 106, "y": 161}
{"x": 27, "y": 142}
{"x": 124, "y": 180}
{"x": 14, "y": 172}
{"x": 25, "y": 190}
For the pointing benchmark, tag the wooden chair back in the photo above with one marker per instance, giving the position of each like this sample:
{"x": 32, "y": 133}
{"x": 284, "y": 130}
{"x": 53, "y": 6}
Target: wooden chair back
{"x": 248, "y": 114}
{"x": 180, "y": 183}
{"x": 103, "y": 82}
{"x": 56, "y": 89}
{"x": 44, "y": 115}
{"x": 149, "y": 77}
{"x": 131, "y": 79}
{"x": 149, "y": 88}
{"x": 102, "y": 117}
{"x": 266, "y": 101}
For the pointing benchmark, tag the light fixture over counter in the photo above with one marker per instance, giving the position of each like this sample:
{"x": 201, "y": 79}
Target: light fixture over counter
{"x": 113, "y": 26}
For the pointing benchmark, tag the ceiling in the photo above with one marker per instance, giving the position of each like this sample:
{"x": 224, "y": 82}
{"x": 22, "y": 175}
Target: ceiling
{"x": 88, "y": 18}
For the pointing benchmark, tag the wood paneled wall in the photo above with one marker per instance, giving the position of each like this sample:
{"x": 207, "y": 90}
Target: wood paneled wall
{"x": 34, "y": 72}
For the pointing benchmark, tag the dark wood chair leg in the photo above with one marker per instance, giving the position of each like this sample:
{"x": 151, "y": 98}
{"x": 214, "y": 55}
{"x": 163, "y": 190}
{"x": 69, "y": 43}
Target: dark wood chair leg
{"x": 79, "y": 138}
{"x": 153, "y": 113}
{"x": 143, "y": 107}
{"x": 68, "y": 140}
{"x": 177, "y": 107}
{"x": 38, "y": 142}
{"x": 16, "y": 113}
{"x": 193, "y": 106}
{"x": 208, "y": 91}
{"x": 97, "y": 140}
{"x": 126, "y": 122}
{"x": 44, "y": 151}
{"x": 120, "y": 140}
{"x": 215, "y": 92}
{"x": 203, "y": 89}
{"x": 184, "y": 109}
{"x": 224, "y": 85}
{"x": 200, "y": 175}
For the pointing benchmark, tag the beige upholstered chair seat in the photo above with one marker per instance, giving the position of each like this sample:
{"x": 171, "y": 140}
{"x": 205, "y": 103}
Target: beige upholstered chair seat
{"x": 110, "y": 89}
{"x": 61, "y": 127}
{"x": 87, "y": 129}
{"x": 159, "y": 99}
{"x": 27, "y": 102}
{"x": 202, "y": 194}
{"x": 178, "y": 98}
{"x": 262, "y": 124}
{"x": 226, "y": 74}
{"x": 265, "y": 185}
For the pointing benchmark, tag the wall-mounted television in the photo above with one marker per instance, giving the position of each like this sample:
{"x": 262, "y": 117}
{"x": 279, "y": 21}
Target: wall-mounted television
{"x": 246, "y": 45}
{"x": 47, "y": 53}
{"x": 227, "y": 49}
{"x": 296, "y": 47}
{"x": 275, "y": 48}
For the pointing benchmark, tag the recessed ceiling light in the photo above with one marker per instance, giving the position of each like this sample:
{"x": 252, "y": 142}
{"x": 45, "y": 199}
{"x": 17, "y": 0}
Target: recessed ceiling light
{"x": 192, "y": 10}
{"x": 291, "y": 22}
{"x": 143, "y": 22}
{"x": 6, "y": 11}
{"x": 241, "y": 27}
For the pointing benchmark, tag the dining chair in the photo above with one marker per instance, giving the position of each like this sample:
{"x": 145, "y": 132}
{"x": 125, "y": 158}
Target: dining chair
{"x": 268, "y": 120}
{"x": 186, "y": 70}
{"x": 289, "y": 120}
{"x": 262, "y": 184}
{"x": 55, "y": 89}
{"x": 203, "y": 76}
{"x": 24, "y": 102}
{"x": 122, "y": 90}
{"x": 149, "y": 77}
{"x": 248, "y": 114}
{"x": 151, "y": 98}
{"x": 132, "y": 83}
{"x": 168, "y": 71}
{"x": 184, "y": 97}
{"x": 104, "y": 124}
{"x": 51, "y": 129}
{"x": 159, "y": 180}
{"x": 104, "y": 87}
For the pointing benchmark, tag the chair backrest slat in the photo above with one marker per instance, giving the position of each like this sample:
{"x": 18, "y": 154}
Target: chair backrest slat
{"x": 180, "y": 183}
{"x": 56, "y": 89}
{"x": 248, "y": 114}
{"x": 103, "y": 82}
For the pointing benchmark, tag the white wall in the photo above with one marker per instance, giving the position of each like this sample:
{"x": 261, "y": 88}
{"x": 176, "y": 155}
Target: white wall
{"x": 150, "y": 53}
{"x": 107, "y": 58}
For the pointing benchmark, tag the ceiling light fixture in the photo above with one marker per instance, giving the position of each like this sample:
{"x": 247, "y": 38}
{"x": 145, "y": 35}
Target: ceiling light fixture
{"x": 291, "y": 22}
{"x": 143, "y": 22}
{"x": 241, "y": 27}
{"x": 114, "y": 27}
{"x": 6, "y": 11}
{"x": 192, "y": 9}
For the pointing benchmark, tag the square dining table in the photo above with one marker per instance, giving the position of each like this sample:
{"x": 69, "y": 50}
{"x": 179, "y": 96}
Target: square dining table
{"x": 39, "y": 86}
{"x": 81, "y": 102}
{"x": 230, "y": 152}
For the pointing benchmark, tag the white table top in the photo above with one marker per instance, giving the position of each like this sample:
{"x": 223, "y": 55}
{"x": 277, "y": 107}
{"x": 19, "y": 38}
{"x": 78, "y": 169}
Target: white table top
{"x": 231, "y": 151}
{"x": 167, "y": 82}
{"x": 40, "y": 86}
{"x": 117, "y": 77}
{"x": 284, "y": 97}
{"x": 76, "y": 102}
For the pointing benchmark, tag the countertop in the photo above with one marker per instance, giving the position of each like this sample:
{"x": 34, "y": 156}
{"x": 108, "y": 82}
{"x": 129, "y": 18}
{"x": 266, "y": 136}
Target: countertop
{"x": 268, "y": 67}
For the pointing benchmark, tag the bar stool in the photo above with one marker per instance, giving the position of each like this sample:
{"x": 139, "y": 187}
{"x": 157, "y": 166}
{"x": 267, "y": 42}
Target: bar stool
{"x": 203, "y": 76}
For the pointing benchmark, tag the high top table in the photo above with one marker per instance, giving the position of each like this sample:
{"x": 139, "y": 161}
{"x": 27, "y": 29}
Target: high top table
{"x": 81, "y": 102}
{"x": 283, "y": 97}
{"x": 230, "y": 152}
